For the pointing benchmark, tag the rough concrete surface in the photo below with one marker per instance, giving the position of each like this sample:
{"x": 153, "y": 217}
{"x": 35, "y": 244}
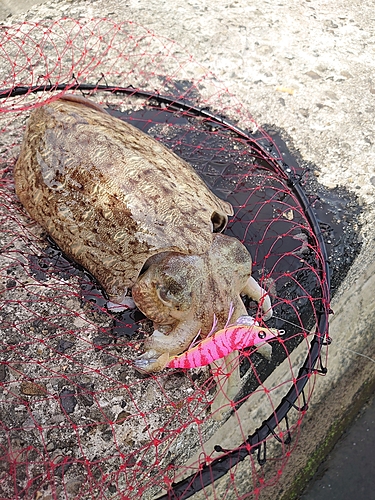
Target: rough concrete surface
{"x": 307, "y": 68}
{"x": 8, "y": 8}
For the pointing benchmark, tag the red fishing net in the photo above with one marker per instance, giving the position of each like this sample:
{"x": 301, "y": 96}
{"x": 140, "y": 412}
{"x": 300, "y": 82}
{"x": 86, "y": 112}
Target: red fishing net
{"x": 76, "y": 420}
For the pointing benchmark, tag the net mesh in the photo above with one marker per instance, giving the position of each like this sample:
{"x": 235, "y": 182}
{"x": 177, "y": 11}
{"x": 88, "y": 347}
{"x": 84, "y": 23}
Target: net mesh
{"x": 76, "y": 420}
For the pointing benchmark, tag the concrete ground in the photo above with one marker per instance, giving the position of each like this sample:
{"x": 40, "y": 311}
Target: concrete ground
{"x": 9, "y": 8}
{"x": 324, "y": 52}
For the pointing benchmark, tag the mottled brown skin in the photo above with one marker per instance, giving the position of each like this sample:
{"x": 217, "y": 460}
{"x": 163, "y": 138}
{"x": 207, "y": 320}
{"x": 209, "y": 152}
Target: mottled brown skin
{"x": 135, "y": 216}
{"x": 110, "y": 195}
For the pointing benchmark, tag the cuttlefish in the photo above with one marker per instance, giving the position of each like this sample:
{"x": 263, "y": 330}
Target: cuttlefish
{"x": 139, "y": 219}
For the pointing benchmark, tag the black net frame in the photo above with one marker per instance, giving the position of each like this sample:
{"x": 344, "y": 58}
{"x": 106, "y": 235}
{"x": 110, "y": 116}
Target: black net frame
{"x": 266, "y": 149}
{"x": 220, "y": 466}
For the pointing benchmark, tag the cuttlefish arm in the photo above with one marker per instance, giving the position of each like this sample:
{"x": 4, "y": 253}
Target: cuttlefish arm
{"x": 160, "y": 347}
{"x": 253, "y": 290}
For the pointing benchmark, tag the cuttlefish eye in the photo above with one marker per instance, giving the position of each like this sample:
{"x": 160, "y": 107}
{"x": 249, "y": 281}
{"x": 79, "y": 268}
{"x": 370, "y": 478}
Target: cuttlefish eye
{"x": 262, "y": 335}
